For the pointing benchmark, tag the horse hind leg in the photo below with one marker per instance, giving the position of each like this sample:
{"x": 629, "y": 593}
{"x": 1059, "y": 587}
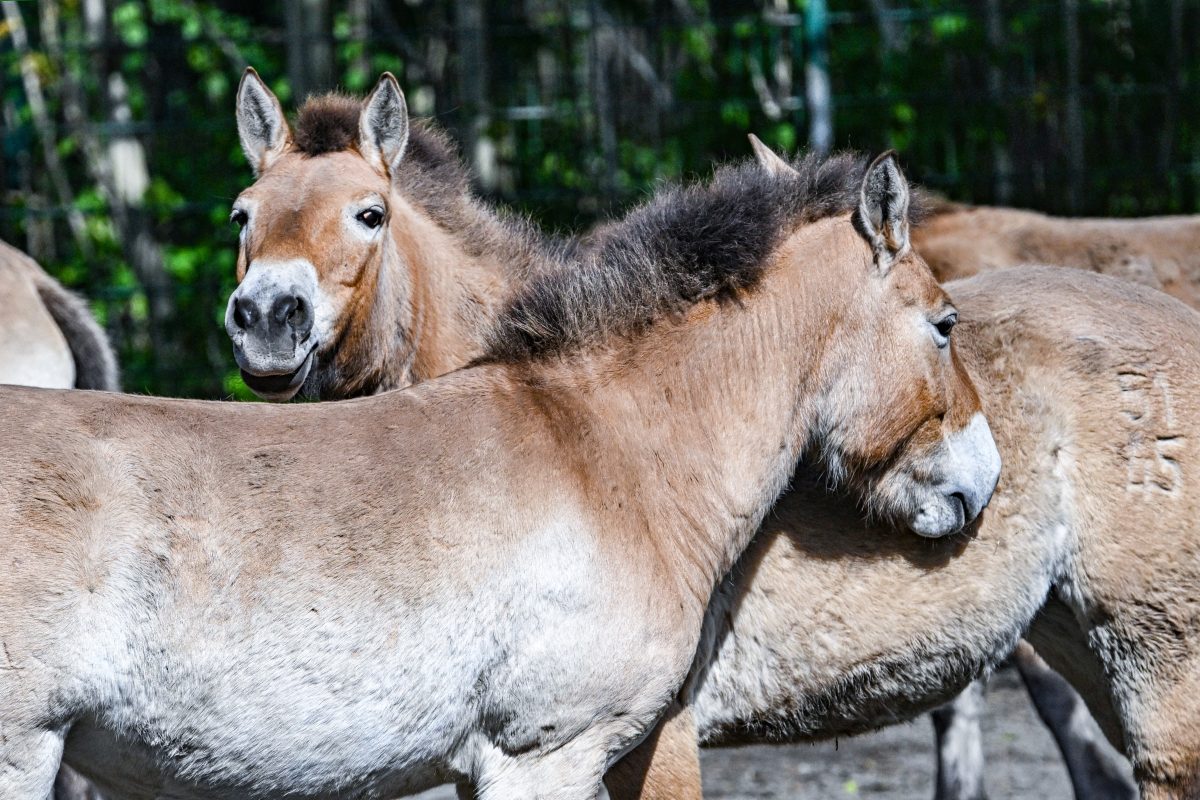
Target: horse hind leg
{"x": 70, "y": 785}
{"x": 1097, "y": 770}
{"x": 959, "y": 738}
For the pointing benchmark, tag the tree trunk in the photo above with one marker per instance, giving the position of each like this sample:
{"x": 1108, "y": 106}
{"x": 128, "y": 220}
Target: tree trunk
{"x": 1001, "y": 161}
{"x": 470, "y": 34}
{"x": 309, "y": 47}
{"x": 1074, "y": 110}
{"x": 817, "y": 91}
{"x": 120, "y": 168}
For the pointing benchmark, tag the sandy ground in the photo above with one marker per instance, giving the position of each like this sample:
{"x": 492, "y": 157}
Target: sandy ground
{"x": 893, "y": 764}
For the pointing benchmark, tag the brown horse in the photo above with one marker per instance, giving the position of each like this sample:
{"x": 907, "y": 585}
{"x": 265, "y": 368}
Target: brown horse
{"x": 384, "y": 271}
{"x": 1161, "y": 252}
{"x": 49, "y": 337}
{"x": 1092, "y": 388}
{"x": 963, "y": 241}
{"x": 500, "y": 575}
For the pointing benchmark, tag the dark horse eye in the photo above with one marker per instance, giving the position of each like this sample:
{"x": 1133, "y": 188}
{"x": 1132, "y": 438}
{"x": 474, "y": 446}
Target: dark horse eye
{"x": 239, "y": 217}
{"x": 946, "y": 324}
{"x": 371, "y": 217}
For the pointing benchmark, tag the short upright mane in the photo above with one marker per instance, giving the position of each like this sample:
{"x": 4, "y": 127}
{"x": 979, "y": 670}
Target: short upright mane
{"x": 328, "y": 123}
{"x": 684, "y": 245}
{"x": 433, "y": 176}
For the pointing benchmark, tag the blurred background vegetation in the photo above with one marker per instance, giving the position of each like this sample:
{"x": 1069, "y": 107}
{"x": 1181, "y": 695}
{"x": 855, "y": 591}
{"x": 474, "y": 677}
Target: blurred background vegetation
{"x": 120, "y": 156}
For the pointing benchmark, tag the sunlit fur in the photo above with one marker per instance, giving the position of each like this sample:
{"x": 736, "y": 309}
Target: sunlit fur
{"x": 49, "y": 335}
{"x": 830, "y": 626}
{"x": 1160, "y": 252}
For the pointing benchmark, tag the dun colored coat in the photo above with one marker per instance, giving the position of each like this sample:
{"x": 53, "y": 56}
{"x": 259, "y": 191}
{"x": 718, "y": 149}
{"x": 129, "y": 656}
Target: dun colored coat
{"x": 501, "y": 575}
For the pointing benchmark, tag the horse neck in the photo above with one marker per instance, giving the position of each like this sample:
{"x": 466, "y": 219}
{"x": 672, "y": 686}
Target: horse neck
{"x": 703, "y": 421}
{"x": 441, "y": 292}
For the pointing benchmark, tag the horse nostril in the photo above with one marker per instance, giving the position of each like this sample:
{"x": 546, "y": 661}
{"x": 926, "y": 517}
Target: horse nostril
{"x": 283, "y": 308}
{"x": 245, "y": 313}
{"x": 293, "y": 311}
{"x": 961, "y": 497}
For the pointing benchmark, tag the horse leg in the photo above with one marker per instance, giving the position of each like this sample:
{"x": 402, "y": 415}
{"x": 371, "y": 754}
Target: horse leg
{"x": 666, "y": 766}
{"x": 956, "y": 727}
{"x": 1156, "y": 695}
{"x": 70, "y": 785}
{"x": 29, "y": 760}
{"x": 571, "y": 772}
{"x": 1097, "y": 770}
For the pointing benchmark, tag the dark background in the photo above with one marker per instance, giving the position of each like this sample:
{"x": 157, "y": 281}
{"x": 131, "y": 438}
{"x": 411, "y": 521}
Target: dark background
{"x": 120, "y": 156}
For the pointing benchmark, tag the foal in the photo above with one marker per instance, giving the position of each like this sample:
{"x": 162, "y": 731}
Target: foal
{"x": 503, "y": 578}
{"x": 360, "y": 269}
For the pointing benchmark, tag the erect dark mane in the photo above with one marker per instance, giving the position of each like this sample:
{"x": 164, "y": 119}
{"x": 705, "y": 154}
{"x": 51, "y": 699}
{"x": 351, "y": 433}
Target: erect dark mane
{"x": 434, "y": 178}
{"x": 684, "y": 245}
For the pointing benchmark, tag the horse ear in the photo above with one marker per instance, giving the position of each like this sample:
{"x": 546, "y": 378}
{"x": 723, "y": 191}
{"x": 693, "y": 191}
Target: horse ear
{"x": 261, "y": 125}
{"x": 383, "y": 125}
{"x": 883, "y": 210}
{"x": 769, "y": 159}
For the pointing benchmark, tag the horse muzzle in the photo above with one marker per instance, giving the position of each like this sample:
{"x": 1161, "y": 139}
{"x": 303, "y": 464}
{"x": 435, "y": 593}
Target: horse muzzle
{"x": 272, "y": 334}
{"x": 970, "y": 463}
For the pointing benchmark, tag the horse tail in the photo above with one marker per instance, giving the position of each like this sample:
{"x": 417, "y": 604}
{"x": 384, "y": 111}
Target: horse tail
{"x": 95, "y": 362}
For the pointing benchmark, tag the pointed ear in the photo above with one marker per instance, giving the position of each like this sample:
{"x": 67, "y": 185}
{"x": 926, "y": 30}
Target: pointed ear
{"x": 261, "y": 125}
{"x": 383, "y": 125}
{"x": 769, "y": 159}
{"x": 883, "y": 210}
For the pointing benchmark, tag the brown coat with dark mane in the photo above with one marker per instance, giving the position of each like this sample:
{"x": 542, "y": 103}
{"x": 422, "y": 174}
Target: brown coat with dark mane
{"x": 363, "y": 269}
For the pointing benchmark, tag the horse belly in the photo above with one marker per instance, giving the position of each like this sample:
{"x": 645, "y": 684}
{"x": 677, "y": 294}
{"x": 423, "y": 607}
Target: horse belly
{"x": 806, "y": 649}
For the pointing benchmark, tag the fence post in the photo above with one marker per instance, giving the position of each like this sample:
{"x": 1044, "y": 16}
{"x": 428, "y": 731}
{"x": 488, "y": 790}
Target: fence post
{"x": 817, "y": 92}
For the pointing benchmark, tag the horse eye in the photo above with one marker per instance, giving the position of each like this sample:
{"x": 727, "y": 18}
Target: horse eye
{"x": 371, "y": 217}
{"x": 946, "y": 324}
{"x": 239, "y": 217}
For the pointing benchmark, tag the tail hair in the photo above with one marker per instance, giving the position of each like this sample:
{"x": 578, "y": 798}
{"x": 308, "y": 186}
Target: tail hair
{"x": 95, "y": 361}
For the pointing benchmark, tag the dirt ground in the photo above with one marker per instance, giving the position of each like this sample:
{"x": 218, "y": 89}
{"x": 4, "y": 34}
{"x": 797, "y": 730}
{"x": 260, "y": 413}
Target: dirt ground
{"x": 893, "y": 764}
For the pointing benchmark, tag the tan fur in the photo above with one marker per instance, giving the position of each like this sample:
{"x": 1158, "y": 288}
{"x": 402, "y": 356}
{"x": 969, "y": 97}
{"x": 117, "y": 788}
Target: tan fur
{"x": 1093, "y": 391}
{"x": 179, "y": 570}
{"x": 48, "y": 337}
{"x": 33, "y": 351}
{"x": 1160, "y": 252}
{"x": 409, "y": 305}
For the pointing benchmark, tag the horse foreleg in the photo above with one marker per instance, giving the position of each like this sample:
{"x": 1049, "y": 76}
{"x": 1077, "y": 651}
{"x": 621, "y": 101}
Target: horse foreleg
{"x": 666, "y": 766}
{"x": 1097, "y": 770}
{"x": 956, "y": 727}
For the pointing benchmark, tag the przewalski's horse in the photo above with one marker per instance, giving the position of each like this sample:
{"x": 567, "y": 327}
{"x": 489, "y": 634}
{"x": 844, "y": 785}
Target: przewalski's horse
{"x": 48, "y": 337}
{"x": 1161, "y": 252}
{"x": 503, "y": 574}
{"x": 1092, "y": 387}
{"x": 1097, "y": 771}
{"x": 362, "y": 269}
